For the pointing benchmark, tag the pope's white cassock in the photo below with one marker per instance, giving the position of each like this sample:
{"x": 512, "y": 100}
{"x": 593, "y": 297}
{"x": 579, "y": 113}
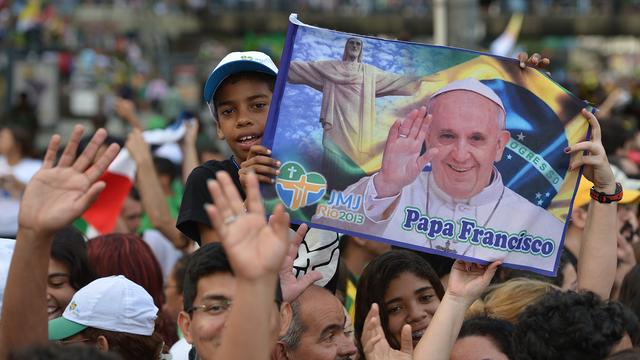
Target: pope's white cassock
{"x": 496, "y": 207}
{"x": 349, "y": 91}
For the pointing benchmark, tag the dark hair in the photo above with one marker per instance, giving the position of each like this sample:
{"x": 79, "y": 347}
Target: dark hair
{"x": 566, "y": 258}
{"x": 107, "y": 141}
{"x": 179, "y": 270}
{"x": 208, "y": 260}
{"x": 69, "y": 247}
{"x": 498, "y": 331}
{"x": 269, "y": 79}
{"x": 630, "y": 290}
{"x": 52, "y": 351}
{"x": 375, "y": 280}
{"x": 129, "y": 346}
{"x": 164, "y": 166}
{"x": 595, "y": 327}
{"x": 615, "y": 134}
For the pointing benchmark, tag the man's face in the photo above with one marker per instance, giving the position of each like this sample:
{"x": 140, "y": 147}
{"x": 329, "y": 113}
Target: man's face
{"x": 354, "y": 48}
{"x": 242, "y": 108}
{"x": 465, "y": 130}
{"x": 131, "y": 213}
{"x": 204, "y": 329}
{"x": 325, "y": 337}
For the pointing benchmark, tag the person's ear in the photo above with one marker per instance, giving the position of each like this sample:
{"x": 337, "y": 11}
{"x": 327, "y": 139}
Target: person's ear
{"x": 579, "y": 217}
{"x": 219, "y": 131}
{"x": 503, "y": 140}
{"x": 279, "y": 353}
{"x": 184, "y": 322}
{"x": 286, "y": 314}
{"x": 102, "y": 344}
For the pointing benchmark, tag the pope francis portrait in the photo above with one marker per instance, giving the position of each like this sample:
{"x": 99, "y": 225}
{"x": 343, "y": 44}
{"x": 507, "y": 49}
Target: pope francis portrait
{"x": 463, "y": 130}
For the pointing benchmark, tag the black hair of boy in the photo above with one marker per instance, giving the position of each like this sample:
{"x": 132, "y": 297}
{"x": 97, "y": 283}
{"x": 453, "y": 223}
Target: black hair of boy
{"x": 69, "y": 247}
{"x": 208, "y": 260}
{"x": 571, "y": 325}
{"x": 498, "y": 331}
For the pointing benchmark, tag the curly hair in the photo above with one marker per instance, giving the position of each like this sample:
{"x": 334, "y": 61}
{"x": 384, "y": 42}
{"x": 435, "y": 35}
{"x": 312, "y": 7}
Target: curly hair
{"x": 570, "y": 325}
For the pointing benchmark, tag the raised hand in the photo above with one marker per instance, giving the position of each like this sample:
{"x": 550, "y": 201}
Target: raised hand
{"x": 467, "y": 280}
{"x": 291, "y": 286}
{"x": 260, "y": 161}
{"x": 596, "y": 165}
{"x": 536, "y": 60}
{"x": 375, "y": 344}
{"x": 401, "y": 161}
{"x": 58, "y": 194}
{"x": 138, "y": 148}
{"x": 254, "y": 247}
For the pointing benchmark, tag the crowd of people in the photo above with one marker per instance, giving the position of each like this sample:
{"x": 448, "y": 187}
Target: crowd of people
{"x": 194, "y": 269}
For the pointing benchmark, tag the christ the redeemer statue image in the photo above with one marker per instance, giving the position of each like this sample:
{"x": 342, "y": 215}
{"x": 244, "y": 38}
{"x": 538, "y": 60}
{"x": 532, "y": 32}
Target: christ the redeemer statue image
{"x": 348, "y": 114}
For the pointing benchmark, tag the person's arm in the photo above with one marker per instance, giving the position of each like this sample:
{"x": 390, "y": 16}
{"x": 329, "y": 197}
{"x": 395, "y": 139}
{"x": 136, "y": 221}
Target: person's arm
{"x": 307, "y": 73}
{"x": 597, "y": 259}
{"x": 466, "y": 283}
{"x": 55, "y": 196}
{"x": 153, "y": 198}
{"x": 126, "y": 109}
{"x": 189, "y": 151}
{"x": 256, "y": 250}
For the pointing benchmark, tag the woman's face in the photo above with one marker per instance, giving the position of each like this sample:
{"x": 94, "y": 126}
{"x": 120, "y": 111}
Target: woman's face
{"x": 411, "y": 300}
{"x": 59, "y": 289}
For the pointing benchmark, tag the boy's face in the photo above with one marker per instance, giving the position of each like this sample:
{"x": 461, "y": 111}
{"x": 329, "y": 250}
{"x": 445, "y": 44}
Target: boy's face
{"x": 242, "y": 107}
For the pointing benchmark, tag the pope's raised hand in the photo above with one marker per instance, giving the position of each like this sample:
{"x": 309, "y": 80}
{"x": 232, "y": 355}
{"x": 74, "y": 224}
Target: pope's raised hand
{"x": 58, "y": 194}
{"x": 401, "y": 161}
{"x": 254, "y": 247}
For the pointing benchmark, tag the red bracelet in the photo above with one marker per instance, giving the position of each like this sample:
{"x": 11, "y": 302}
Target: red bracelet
{"x": 607, "y": 198}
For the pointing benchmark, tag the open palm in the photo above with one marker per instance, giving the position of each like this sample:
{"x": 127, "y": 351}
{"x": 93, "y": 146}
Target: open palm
{"x": 254, "y": 247}
{"x": 401, "y": 161}
{"x": 56, "y": 195}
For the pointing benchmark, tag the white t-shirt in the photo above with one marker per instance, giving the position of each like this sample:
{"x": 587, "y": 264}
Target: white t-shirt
{"x": 22, "y": 171}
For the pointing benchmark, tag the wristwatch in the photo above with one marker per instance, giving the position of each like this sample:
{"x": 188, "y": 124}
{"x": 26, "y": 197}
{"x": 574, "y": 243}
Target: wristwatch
{"x": 607, "y": 198}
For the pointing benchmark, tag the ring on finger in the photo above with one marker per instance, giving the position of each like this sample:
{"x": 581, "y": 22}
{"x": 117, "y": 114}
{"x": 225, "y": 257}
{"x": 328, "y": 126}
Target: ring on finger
{"x": 403, "y": 136}
{"x": 229, "y": 219}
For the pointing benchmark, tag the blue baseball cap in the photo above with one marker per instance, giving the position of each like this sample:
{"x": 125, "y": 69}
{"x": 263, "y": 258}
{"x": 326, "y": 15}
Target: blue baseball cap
{"x": 236, "y": 62}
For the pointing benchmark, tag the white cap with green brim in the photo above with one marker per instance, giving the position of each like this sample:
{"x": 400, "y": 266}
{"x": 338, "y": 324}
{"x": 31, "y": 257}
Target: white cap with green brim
{"x": 113, "y": 303}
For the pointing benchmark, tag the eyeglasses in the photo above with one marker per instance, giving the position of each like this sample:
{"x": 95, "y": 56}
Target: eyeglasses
{"x": 216, "y": 308}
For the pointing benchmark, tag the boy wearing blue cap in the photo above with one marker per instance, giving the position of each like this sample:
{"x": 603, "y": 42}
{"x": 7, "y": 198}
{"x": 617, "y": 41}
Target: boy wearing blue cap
{"x": 238, "y": 92}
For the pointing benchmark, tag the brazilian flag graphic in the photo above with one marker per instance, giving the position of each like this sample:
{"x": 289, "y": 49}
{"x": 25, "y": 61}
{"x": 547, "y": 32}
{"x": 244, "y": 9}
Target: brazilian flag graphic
{"x": 337, "y": 96}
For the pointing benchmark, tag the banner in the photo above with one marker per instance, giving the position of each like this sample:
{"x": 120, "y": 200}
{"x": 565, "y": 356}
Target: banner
{"x": 436, "y": 149}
